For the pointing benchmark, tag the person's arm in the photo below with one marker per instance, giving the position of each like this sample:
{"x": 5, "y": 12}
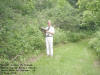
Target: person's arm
{"x": 49, "y": 32}
{"x": 52, "y": 32}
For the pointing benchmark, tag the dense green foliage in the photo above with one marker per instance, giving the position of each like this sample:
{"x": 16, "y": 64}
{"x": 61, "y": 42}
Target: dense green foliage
{"x": 95, "y": 43}
{"x": 19, "y": 25}
{"x": 91, "y": 21}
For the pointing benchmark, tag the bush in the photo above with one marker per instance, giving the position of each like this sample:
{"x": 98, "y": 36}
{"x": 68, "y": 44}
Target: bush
{"x": 60, "y": 36}
{"x": 22, "y": 36}
{"x": 75, "y": 36}
{"x": 94, "y": 43}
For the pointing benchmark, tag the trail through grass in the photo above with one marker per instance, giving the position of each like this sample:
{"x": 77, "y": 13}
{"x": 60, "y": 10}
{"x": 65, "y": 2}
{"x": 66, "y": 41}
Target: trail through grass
{"x": 68, "y": 59}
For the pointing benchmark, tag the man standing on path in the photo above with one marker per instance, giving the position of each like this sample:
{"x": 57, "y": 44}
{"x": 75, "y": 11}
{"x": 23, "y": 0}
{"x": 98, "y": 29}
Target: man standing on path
{"x": 49, "y": 39}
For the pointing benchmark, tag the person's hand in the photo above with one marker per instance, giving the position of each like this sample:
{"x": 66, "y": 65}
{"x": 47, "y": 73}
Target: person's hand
{"x": 47, "y": 31}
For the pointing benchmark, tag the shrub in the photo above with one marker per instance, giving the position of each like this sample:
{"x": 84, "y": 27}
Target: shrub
{"x": 22, "y": 36}
{"x": 94, "y": 43}
{"x": 75, "y": 36}
{"x": 60, "y": 36}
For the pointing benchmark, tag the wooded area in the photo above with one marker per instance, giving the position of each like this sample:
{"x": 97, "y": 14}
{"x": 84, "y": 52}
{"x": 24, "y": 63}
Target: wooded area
{"x": 20, "y": 20}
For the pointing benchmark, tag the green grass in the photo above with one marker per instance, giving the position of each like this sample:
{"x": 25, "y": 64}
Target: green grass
{"x": 68, "y": 59}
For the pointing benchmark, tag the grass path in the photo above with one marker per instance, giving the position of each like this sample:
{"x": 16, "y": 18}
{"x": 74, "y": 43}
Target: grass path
{"x": 69, "y": 59}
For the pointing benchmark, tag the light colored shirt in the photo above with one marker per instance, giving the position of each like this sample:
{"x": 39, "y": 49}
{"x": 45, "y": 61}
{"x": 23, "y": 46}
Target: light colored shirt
{"x": 51, "y": 29}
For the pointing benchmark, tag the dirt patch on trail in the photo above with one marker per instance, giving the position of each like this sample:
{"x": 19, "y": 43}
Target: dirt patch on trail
{"x": 31, "y": 60}
{"x": 97, "y": 63}
{"x": 34, "y": 58}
